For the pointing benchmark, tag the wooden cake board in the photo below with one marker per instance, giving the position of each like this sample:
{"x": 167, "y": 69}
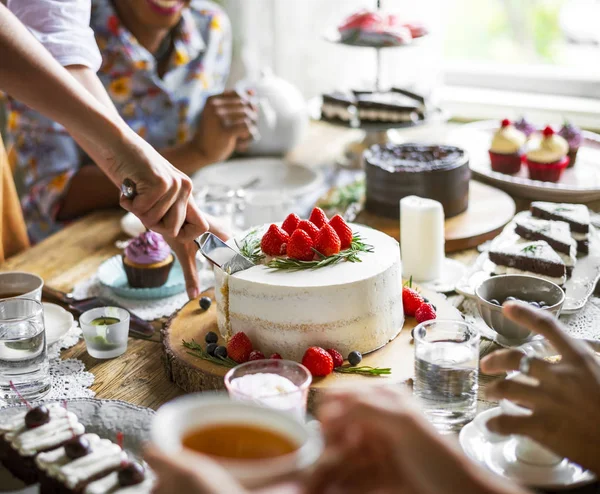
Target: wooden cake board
{"x": 194, "y": 374}
{"x": 489, "y": 211}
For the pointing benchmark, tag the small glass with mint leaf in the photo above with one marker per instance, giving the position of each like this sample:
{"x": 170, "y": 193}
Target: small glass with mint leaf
{"x": 105, "y": 330}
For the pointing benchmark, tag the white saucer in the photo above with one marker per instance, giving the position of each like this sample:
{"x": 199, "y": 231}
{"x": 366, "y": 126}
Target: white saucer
{"x": 497, "y": 454}
{"x": 57, "y": 322}
{"x": 452, "y": 272}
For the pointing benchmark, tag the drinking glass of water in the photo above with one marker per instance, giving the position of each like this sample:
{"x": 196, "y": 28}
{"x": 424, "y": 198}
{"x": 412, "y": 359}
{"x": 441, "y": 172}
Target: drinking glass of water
{"x": 447, "y": 372}
{"x": 23, "y": 356}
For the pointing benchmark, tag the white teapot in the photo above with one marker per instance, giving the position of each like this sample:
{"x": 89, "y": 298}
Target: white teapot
{"x": 282, "y": 115}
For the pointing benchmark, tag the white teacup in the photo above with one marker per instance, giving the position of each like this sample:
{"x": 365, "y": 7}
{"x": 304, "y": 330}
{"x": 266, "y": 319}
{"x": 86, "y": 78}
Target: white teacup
{"x": 188, "y": 413}
{"x": 21, "y": 284}
{"x": 527, "y": 450}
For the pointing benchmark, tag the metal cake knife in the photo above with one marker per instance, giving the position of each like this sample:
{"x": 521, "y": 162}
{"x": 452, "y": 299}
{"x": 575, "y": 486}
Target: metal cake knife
{"x": 221, "y": 255}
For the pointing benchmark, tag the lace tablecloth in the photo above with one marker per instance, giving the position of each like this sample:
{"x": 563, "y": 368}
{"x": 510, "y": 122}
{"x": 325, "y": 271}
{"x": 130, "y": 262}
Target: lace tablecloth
{"x": 68, "y": 377}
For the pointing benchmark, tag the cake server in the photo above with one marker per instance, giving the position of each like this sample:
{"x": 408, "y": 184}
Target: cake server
{"x": 221, "y": 255}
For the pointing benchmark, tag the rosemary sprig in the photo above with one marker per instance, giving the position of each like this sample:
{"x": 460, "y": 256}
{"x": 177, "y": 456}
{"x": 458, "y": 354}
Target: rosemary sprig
{"x": 341, "y": 198}
{"x": 250, "y": 247}
{"x": 531, "y": 249}
{"x": 196, "y": 350}
{"x": 351, "y": 255}
{"x": 364, "y": 370}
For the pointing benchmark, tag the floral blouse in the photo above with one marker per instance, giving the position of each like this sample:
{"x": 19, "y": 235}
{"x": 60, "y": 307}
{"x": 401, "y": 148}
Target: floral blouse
{"x": 163, "y": 111}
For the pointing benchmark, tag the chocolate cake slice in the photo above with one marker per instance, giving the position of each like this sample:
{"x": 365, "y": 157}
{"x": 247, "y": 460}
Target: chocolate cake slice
{"x": 338, "y": 106}
{"x": 532, "y": 258}
{"x": 387, "y": 107}
{"x": 576, "y": 215}
{"x": 556, "y": 233}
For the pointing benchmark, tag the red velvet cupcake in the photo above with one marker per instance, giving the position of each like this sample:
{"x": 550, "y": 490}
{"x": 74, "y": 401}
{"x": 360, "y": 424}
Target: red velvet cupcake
{"x": 547, "y": 158}
{"x": 507, "y": 148}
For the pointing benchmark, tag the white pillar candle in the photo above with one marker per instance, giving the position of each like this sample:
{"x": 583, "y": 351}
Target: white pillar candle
{"x": 421, "y": 238}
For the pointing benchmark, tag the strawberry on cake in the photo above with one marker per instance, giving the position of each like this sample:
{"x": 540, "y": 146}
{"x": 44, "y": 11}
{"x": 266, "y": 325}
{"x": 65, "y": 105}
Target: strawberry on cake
{"x": 317, "y": 282}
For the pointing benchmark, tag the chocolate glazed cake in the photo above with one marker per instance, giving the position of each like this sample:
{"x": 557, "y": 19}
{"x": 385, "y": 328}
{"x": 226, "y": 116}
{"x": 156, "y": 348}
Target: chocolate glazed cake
{"x": 394, "y": 171}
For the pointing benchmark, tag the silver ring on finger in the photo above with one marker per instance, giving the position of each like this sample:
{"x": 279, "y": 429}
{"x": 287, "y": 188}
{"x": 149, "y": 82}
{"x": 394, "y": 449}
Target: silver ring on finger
{"x": 525, "y": 365}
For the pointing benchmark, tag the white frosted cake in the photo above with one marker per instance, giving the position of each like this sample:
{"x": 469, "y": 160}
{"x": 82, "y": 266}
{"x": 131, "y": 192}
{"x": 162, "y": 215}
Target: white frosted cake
{"x": 347, "y": 305}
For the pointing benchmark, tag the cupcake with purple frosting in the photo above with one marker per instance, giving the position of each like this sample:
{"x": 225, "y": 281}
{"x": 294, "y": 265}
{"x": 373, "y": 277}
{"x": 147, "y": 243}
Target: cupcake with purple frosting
{"x": 148, "y": 261}
{"x": 526, "y": 127}
{"x": 572, "y": 134}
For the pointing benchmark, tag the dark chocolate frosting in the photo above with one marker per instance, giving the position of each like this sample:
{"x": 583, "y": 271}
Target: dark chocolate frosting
{"x": 394, "y": 171}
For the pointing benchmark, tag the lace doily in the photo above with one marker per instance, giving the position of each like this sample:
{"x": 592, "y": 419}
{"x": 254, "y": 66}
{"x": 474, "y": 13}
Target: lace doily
{"x": 148, "y": 310}
{"x": 583, "y": 324}
{"x": 69, "y": 379}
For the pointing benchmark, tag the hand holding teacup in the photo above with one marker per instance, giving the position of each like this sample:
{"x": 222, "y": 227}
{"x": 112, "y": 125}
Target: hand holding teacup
{"x": 565, "y": 400}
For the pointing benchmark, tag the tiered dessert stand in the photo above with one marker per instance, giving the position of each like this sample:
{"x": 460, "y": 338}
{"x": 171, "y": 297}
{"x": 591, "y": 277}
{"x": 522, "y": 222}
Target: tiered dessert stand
{"x": 375, "y": 133}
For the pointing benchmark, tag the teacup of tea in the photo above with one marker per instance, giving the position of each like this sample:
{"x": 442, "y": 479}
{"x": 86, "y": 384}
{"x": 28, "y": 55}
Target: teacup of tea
{"x": 257, "y": 445}
{"x": 20, "y": 284}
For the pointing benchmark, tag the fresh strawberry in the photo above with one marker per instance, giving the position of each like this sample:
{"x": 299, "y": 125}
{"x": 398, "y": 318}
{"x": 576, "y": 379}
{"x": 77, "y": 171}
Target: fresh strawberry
{"x": 343, "y": 231}
{"x": 256, "y": 355}
{"x": 239, "y": 347}
{"x": 318, "y": 217}
{"x": 338, "y": 360}
{"x": 411, "y": 300}
{"x": 275, "y": 356}
{"x": 291, "y": 223}
{"x": 327, "y": 242}
{"x": 309, "y": 228}
{"x": 274, "y": 242}
{"x": 317, "y": 361}
{"x": 425, "y": 313}
{"x": 300, "y": 246}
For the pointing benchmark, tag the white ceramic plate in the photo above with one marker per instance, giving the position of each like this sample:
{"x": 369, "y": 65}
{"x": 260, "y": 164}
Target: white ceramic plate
{"x": 496, "y": 453}
{"x": 452, "y": 272}
{"x": 273, "y": 174}
{"x": 578, "y": 288}
{"x": 579, "y": 184}
{"x": 57, "y": 322}
{"x": 102, "y": 417}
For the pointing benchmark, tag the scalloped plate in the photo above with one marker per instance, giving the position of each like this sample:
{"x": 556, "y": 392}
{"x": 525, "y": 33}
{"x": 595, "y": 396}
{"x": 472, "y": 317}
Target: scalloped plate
{"x": 578, "y": 288}
{"x": 112, "y": 275}
{"x": 102, "y": 417}
{"x": 579, "y": 184}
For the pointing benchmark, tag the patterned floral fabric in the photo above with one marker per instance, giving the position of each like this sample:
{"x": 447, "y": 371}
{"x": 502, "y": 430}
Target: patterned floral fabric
{"x": 163, "y": 111}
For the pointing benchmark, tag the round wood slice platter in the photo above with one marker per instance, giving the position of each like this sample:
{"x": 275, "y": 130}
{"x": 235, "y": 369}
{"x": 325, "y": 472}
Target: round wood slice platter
{"x": 194, "y": 374}
{"x": 489, "y": 211}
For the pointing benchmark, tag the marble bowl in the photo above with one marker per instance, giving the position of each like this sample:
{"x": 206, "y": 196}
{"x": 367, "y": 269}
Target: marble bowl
{"x": 526, "y": 288}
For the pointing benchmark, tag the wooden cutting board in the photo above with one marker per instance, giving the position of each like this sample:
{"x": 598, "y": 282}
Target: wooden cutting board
{"x": 489, "y": 210}
{"x": 194, "y": 374}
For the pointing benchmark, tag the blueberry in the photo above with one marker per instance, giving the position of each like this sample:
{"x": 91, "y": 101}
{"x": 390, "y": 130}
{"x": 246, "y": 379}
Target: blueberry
{"x": 354, "y": 358}
{"x": 37, "y": 416}
{"x": 426, "y": 300}
{"x": 210, "y": 349}
{"x": 77, "y": 447}
{"x": 221, "y": 352}
{"x": 205, "y": 303}
{"x": 211, "y": 337}
{"x": 511, "y": 299}
{"x": 534, "y": 304}
{"x": 412, "y": 333}
{"x": 494, "y": 301}
{"x": 542, "y": 304}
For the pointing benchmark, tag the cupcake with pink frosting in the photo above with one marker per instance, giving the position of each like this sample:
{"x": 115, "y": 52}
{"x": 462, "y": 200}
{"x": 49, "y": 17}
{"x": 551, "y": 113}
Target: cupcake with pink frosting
{"x": 148, "y": 261}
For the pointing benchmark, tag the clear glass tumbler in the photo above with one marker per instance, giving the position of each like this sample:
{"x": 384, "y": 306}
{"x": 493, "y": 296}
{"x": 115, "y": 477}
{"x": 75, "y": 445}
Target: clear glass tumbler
{"x": 23, "y": 356}
{"x": 280, "y": 384}
{"x": 447, "y": 372}
{"x": 105, "y": 331}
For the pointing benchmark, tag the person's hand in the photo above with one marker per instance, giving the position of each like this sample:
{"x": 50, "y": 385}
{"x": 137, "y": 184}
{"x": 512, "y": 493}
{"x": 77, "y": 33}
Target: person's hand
{"x": 193, "y": 473}
{"x": 565, "y": 403}
{"x": 227, "y": 124}
{"x": 163, "y": 199}
{"x": 186, "y": 254}
{"x": 190, "y": 473}
{"x": 379, "y": 443}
